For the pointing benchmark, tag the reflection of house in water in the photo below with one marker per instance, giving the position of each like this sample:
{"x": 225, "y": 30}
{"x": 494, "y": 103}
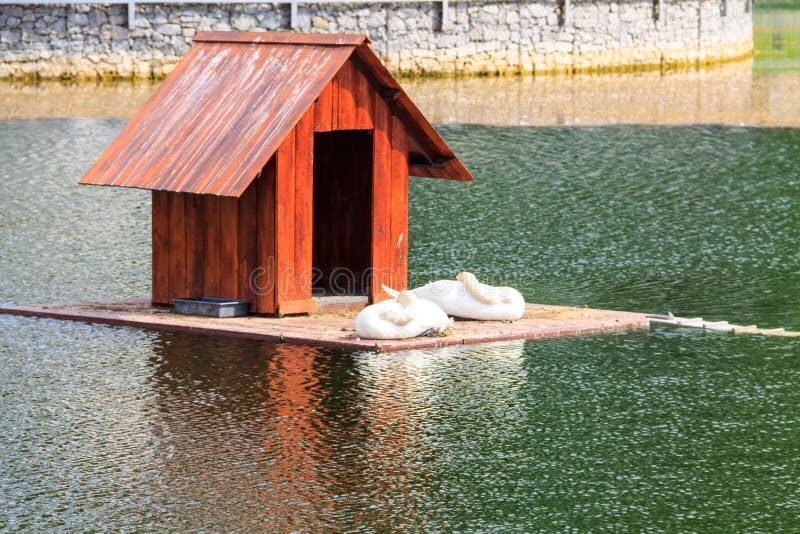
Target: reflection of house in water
{"x": 276, "y": 430}
{"x": 297, "y": 437}
{"x": 243, "y": 428}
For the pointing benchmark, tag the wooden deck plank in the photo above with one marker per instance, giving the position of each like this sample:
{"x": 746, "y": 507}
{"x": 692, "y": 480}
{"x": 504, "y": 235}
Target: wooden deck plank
{"x": 211, "y": 246}
{"x": 194, "y": 245}
{"x": 177, "y": 246}
{"x": 336, "y": 330}
{"x": 265, "y": 254}
{"x": 382, "y": 262}
{"x": 323, "y": 108}
{"x": 160, "y": 247}
{"x": 248, "y": 244}
{"x": 303, "y": 206}
{"x": 346, "y": 109}
{"x": 398, "y": 240}
{"x": 363, "y": 98}
{"x": 229, "y": 247}
{"x": 284, "y": 217}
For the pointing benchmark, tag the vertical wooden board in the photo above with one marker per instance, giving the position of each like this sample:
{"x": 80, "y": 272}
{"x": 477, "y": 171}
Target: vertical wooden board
{"x": 303, "y": 205}
{"x": 335, "y": 103}
{"x": 211, "y": 246}
{"x": 194, "y": 245}
{"x": 265, "y": 248}
{"x": 364, "y": 103}
{"x": 160, "y": 259}
{"x": 177, "y": 246}
{"x": 323, "y": 108}
{"x": 399, "y": 205}
{"x": 381, "y": 195}
{"x": 248, "y": 251}
{"x": 229, "y": 247}
{"x": 347, "y": 98}
{"x": 284, "y": 219}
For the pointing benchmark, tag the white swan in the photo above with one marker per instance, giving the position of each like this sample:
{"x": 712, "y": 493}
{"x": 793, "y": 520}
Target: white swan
{"x": 467, "y": 298}
{"x": 402, "y": 317}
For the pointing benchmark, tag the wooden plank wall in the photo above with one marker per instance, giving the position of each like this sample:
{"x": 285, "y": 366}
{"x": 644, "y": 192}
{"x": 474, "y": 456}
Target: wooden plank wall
{"x": 390, "y": 202}
{"x": 346, "y": 103}
{"x": 265, "y": 248}
{"x": 226, "y": 247}
{"x": 381, "y": 201}
{"x": 229, "y": 246}
{"x": 212, "y": 243}
{"x": 160, "y": 247}
{"x": 349, "y": 102}
{"x": 294, "y": 215}
{"x": 304, "y": 206}
{"x": 398, "y": 239}
{"x": 205, "y": 245}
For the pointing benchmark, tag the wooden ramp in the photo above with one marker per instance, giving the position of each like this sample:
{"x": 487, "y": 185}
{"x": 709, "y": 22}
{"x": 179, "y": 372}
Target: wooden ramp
{"x": 336, "y": 330}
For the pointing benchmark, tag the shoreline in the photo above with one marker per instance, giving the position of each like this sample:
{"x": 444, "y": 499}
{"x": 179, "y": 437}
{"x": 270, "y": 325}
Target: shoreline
{"x": 77, "y": 70}
{"x": 729, "y": 94}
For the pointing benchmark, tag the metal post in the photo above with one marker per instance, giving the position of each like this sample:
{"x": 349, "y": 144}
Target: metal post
{"x": 661, "y": 18}
{"x": 726, "y": 7}
{"x": 293, "y": 17}
{"x": 566, "y": 13}
{"x": 445, "y": 13}
{"x": 131, "y": 14}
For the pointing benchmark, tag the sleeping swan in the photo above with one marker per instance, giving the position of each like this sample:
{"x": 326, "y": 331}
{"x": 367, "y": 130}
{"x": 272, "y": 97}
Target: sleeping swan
{"x": 402, "y": 317}
{"x": 467, "y": 298}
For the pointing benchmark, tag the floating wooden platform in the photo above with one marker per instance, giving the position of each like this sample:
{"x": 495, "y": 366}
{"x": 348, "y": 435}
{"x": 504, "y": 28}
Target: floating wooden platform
{"x": 336, "y": 330}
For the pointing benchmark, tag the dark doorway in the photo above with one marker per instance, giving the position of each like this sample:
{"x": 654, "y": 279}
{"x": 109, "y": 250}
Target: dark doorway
{"x": 342, "y": 212}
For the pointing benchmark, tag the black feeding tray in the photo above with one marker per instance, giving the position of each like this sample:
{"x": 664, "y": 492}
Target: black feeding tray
{"x": 211, "y": 307}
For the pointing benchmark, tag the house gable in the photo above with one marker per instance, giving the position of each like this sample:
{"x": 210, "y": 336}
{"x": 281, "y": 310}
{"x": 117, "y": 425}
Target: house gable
{"x": 223, "y": 112}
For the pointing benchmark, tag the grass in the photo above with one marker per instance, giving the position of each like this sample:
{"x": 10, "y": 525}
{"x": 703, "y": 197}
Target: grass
{"x": 777, "y": 4}
{"x": 776, "y": 37}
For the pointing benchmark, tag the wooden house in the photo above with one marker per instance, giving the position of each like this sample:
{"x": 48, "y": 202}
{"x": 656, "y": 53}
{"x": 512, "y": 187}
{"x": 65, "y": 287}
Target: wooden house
{"x": 279, "y": 167}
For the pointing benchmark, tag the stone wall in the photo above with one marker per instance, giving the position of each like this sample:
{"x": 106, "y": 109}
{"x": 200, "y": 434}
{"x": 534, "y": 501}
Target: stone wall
{"x": 481, "y": 36}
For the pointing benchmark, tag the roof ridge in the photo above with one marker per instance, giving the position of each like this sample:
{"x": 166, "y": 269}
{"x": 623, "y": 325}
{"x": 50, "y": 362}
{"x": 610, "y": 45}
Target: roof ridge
{"x": 318, "y": 39}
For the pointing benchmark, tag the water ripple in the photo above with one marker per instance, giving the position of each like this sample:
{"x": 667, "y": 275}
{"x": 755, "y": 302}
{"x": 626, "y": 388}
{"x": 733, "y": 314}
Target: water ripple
{"x": 121, "y": 429}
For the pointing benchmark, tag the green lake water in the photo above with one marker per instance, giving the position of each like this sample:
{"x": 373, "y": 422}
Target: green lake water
{"x": 117, "y": 428}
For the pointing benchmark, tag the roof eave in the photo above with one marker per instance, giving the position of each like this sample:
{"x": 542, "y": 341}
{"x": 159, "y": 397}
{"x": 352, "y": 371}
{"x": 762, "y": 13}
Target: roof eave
{"x": 442, "y": 162}
{"x": 451, "y": 169}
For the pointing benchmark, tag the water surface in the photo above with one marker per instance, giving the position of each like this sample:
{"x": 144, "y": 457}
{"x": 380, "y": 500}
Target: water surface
{"x": 122, "y": 428}
{"x": 117, "y": 428}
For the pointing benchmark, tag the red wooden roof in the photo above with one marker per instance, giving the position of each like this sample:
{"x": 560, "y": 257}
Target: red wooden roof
{"x": 222, "y": 113}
